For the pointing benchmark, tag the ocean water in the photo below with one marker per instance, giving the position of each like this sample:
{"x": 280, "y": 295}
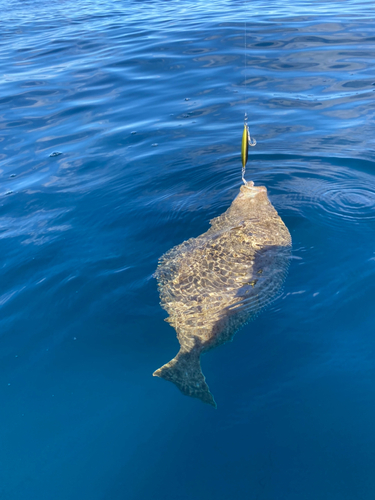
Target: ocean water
{"x": 145, "y": 101}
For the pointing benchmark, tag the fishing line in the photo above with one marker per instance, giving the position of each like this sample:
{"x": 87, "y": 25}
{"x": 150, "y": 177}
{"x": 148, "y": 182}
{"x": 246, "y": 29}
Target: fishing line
{"x": 246, "y": 139}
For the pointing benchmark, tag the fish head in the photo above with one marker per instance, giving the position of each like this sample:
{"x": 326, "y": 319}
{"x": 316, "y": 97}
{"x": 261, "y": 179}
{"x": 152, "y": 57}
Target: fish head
{"x": 249, "y": 191}
{"x": 251, "y": 197}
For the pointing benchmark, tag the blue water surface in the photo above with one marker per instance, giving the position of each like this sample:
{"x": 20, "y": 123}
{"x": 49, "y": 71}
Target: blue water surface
{"x": 145, "y": 102}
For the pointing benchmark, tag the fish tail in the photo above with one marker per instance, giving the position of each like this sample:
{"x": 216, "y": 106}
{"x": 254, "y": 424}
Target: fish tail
{"x": 185, "y": 372}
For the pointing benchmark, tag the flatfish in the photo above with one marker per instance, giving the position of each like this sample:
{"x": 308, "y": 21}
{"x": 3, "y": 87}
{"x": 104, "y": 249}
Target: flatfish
{"x": 212, "y": 285}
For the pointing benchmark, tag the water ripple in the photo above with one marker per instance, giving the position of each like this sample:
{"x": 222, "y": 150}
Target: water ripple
{"x": 343, "y": 200}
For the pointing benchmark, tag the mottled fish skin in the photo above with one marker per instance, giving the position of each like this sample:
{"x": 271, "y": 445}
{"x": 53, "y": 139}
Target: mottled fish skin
{"x": 213, "y": 284}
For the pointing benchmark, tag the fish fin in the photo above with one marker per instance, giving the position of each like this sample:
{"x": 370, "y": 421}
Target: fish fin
{"x": 185, "y": 372}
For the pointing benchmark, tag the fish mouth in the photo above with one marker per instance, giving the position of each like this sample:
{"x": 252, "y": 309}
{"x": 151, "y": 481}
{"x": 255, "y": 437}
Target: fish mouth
{"x": 249, "y": 190}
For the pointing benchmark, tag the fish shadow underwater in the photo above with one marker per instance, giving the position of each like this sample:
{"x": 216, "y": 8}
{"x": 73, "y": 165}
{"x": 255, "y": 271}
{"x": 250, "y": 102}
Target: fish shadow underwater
{"x": 214, "y": 284}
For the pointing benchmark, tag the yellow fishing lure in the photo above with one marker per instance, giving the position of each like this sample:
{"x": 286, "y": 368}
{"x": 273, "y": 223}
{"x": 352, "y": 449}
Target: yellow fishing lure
{"x": 246, "y": 142}
{"x": 245, "y": 145}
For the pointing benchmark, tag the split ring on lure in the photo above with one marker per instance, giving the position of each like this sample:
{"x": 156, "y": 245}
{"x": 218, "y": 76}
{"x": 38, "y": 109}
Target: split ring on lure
{"x": 246, "y": 142}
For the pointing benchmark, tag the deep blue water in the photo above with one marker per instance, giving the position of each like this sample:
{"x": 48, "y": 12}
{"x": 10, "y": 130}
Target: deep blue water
{"x": 81, "y": 416}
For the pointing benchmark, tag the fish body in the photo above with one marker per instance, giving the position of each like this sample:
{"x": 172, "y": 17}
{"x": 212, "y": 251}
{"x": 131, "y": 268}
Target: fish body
{"x": 212, "y": 285}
